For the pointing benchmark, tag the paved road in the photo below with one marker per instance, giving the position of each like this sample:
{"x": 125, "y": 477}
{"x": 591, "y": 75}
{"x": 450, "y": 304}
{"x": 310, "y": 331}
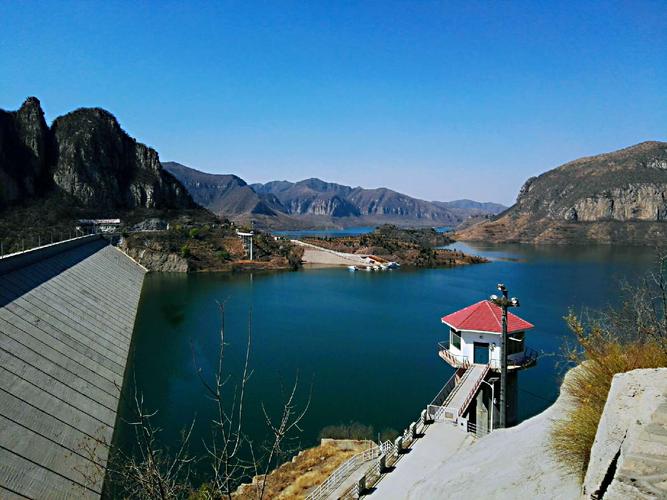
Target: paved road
{"x": 440, "y": 441}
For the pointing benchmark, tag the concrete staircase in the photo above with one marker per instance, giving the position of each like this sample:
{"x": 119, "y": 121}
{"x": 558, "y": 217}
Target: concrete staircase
{"x": 458, "y": 400}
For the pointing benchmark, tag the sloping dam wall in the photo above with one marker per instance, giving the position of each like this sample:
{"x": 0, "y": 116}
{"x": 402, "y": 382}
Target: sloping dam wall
{"x": 67, "y": 313}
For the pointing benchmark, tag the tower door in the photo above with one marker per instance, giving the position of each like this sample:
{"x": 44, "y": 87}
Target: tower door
{"x": 481, "y": 353}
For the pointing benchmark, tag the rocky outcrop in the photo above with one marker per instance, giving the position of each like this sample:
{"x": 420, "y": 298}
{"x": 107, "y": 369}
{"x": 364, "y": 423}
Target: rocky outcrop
{"x": 156, "y": 259}
{"x": 619, "y": 197}
{"x": 24, "y": 153}
{"x": 99, "y": 165}
{"x": 85, "y": 155}
{"x": 629, "y": 455}
{"x": 152, "y": 224}
{"x": 634, "y": 202}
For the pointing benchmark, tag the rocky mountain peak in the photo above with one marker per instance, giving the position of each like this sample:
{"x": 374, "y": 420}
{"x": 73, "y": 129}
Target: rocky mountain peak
{"x": 85, "y": 154}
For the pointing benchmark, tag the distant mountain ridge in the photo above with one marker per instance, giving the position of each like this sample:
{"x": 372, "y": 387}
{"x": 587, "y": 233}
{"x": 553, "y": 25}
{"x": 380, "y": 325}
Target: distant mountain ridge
{"x": 314, "y": 196}
{"x": 317, "y": 202}
{"x": 223, "y": 193}
{"x": 617, "y": 197}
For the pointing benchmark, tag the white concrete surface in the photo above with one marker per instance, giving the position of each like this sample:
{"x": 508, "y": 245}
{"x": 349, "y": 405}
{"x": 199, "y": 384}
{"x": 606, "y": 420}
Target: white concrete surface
{"x": 632, "y": 431}
{"x": 313, "y": 254}
{"x": 510, "y": 463}
{"x": 440, "y": 441}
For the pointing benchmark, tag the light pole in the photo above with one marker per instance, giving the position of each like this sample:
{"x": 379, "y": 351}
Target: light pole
{"x": 504, "y": 302}
{"x": 491, "y": 383}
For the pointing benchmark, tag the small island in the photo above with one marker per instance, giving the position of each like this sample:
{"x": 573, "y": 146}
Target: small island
{"x": 421, "y": 247}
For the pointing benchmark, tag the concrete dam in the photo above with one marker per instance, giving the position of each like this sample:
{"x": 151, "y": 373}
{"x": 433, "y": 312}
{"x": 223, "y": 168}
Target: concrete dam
{"x": 67, "y": 313}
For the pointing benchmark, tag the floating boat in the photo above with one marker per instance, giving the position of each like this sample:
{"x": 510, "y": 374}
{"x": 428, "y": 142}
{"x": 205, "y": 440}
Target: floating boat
{"x": 352, "y": 268}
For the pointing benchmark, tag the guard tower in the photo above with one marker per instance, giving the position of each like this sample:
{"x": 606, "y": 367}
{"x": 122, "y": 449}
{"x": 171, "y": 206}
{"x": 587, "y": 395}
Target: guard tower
{"x": 474, "y": 348}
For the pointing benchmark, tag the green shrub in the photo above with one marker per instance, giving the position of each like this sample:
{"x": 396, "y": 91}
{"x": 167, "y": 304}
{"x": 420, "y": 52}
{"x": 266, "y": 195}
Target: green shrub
{"x": 194, "y": 233}
{"x": 185, "y": 251}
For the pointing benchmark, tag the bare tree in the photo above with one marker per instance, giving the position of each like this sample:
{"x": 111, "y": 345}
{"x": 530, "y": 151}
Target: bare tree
{"x": 225, "y": 450}
{"x": 153, "y": 472}
{"x": 642, "y": 316}
{"x": 290, "y": 418}
{"x": 232, "y": 455}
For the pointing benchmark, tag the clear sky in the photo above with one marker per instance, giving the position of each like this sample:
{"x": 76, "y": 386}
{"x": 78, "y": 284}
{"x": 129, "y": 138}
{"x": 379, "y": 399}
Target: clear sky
{"x": 440, "y": 100}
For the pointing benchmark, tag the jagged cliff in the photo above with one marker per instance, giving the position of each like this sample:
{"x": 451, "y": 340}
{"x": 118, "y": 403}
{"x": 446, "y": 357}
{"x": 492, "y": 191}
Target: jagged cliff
{"x": 85, "y": 156}
{"x": 618, "y": 197}
{"x": 24, "y": 153}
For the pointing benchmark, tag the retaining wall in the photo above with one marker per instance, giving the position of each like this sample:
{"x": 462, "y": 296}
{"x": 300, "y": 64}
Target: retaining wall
{"x": 67, "y": 314}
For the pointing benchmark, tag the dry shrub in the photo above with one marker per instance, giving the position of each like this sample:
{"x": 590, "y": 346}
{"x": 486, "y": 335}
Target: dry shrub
{"x": 311, "y": 467}
{"x": 602, "y": 354}
{"x": 627, "y": 337}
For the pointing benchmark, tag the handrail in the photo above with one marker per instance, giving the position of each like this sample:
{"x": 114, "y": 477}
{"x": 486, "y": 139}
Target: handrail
{"x": 340, "y": 474}
{"x": 529, "y": 357}
{"x": 456, "y": 360}
{"x": 473, "y": 429}
{"x": 444, "y": 392}
{"x": 472, "y": 393}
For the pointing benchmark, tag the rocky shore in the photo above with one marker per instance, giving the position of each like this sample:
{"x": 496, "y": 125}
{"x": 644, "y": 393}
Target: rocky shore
{"x": 187, "y": 247}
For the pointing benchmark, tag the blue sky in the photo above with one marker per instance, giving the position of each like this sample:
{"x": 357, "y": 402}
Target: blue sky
{"x": 440, "y": 100}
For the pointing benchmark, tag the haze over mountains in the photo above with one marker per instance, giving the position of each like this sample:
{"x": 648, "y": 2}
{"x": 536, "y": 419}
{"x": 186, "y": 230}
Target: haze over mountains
{"x": 316, "y": 202}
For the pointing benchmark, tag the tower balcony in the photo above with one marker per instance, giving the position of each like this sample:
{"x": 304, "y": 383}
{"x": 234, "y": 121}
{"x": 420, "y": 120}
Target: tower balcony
{"x": 515, "y": 361}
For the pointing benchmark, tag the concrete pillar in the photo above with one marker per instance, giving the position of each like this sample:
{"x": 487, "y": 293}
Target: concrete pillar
{"x": 398, "y": 445}
{"x": 482, "y": 413}
{"x": 361, "y": 484}
{"x": 512, "y": 397}
{"x": 383, "y": 463}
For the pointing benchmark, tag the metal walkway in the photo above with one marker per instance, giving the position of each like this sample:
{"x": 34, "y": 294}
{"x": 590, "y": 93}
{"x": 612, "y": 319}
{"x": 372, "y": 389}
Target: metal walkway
{"x": 66, "y": 320}
{"x": 458, "y": 400}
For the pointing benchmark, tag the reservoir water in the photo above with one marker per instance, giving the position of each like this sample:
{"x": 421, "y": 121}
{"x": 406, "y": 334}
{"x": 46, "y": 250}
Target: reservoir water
{"x": 337, "y": 233}
{"x": 365, "y": 342}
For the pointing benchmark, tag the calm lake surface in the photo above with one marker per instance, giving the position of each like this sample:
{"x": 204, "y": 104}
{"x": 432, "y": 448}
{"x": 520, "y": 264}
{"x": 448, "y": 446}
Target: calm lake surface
{"x": 337, "y": 233}
{"x": 365, "y": 341}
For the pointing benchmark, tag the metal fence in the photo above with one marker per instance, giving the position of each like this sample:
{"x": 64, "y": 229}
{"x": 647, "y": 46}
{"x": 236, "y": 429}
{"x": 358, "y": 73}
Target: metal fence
{"x": 338, "y": 476}
{"x": 24, "y": 242}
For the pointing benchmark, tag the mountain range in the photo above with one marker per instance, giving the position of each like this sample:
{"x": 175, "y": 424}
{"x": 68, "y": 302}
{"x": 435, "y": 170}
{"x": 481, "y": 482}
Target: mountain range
{"x": 86, "y": 163}
{"x": 617, "y": 197}
{"x": 315, "y": 202}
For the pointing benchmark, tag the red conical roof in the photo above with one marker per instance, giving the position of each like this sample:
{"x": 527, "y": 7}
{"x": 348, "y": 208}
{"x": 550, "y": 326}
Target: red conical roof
{"x": 485, "y": 316}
